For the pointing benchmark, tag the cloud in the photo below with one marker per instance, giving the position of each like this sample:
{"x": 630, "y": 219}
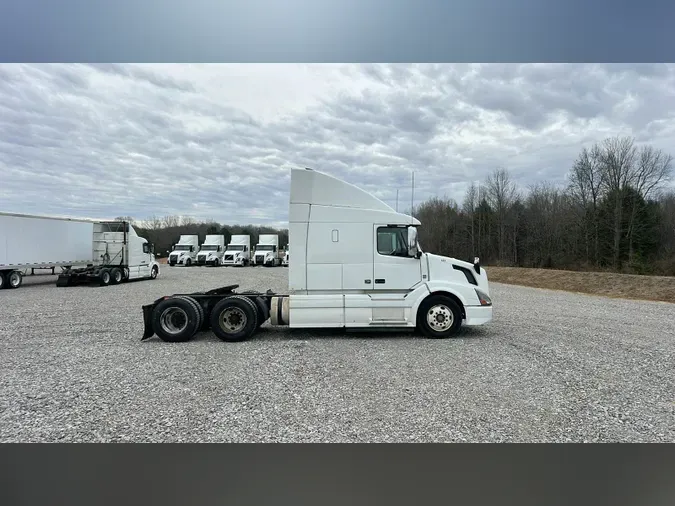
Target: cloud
{"x": 217, "y": 141}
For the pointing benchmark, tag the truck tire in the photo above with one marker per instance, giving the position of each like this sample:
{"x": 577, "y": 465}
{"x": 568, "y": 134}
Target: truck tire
{"x": 153, "y": 272}
{"x": 216, "y": 262}
{"x": 116, "y": 276}
{"x": 188, "y": 262}
{"x": 439, "y": 317}
{"x": 175, "y": 320}
{"x": 3, "y": 283}
{"x": 198, "y": 308}
{"x": 234, "y": 319}
{"x": 104, "y": 277}
{"x": 14, "y": 279}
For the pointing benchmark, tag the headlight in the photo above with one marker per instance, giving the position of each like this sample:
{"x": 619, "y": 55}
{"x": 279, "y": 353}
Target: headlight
{"x": 483, "y": 297}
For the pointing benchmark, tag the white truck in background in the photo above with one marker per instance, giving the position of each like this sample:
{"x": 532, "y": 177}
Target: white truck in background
{"x": 238, "y": 252}
{"x": 267, "y": 251}
{"x": 212, "y": 250}
{"x": 357, "y": 264}
{"x": 109, "y": 252}
{"x": 184, "y": 252}
{"x": 287, "y": 256}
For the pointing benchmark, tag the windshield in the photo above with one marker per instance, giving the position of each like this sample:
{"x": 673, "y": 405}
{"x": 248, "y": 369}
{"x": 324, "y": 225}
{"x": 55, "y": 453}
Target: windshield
{"x": 265, "y": 247}
{"x": 183, "y": 247}
{"x": 235, "y": 247}
{"x": 209, "y": 247}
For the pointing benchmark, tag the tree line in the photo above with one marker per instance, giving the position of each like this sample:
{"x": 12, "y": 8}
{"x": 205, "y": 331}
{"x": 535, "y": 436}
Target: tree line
{"x": 612, "y": 214}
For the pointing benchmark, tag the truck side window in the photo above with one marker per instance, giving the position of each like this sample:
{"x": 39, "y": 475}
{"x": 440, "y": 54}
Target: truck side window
{"x": 392, "y": 241}
{"x": 146, "y": 248}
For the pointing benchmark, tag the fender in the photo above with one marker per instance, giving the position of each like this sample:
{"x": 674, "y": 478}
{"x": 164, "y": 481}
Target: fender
{"x": 465, "y": 294}
{"x": 155, "y": 263}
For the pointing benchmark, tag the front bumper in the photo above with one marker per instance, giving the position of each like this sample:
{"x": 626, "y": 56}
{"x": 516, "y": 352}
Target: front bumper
{"x": 477, "y": 315}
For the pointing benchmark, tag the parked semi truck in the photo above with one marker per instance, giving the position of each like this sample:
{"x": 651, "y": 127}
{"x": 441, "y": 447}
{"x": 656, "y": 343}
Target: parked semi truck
{"x": 287, "y": 256}
{"x": 86, "y": 250}
{"x": 238, "y": 251}
{"x": 357, "y": 264}
{"x": 267, "y": 251}
{"x": 184, "y": 252}
{"x": 212, "y": 250}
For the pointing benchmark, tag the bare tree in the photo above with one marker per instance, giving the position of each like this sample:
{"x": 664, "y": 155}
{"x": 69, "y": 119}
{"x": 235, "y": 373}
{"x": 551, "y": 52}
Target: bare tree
{"x": 154, "y": 223}
{"x": 171, "y": 221}
{"x": 501, "y": 193}
{"x": 618, "y": 161}
{"x": 469, "y": 208}
{"x": 585, "y": 186}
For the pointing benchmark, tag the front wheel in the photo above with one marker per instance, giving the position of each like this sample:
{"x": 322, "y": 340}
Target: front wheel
{"x": 439, "y": 317}
{"x": 154, "y": 272}
{"x": 216, "y": 262}
{"x": 188, "y": 262}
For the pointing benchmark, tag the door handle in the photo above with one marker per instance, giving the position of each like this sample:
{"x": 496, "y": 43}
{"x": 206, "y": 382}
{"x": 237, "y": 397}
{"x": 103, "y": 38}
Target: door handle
{"x": 379, "y": 281}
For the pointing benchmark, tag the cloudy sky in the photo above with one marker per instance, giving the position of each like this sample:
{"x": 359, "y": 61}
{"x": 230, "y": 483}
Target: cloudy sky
{"x": 217, "y": 141}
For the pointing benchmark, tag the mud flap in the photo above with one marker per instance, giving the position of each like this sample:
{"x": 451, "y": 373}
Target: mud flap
{"x": 148, "y": 331}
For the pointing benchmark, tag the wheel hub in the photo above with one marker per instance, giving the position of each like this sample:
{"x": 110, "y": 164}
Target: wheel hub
{"x": 232, "y": 320}
{"x": 440, "y": 318}
{"x": 173, "y": 320}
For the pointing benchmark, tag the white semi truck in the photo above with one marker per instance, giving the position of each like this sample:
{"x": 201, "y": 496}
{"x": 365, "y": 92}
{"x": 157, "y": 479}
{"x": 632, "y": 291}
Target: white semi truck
{"x": 267, "y": 251}
{"x": 238, "y": 251}
{"x": 109, "y": 252}
{"x": 184, "y": 252}
{"x": 212, "y": 250}
{"x": 357, "y": 264}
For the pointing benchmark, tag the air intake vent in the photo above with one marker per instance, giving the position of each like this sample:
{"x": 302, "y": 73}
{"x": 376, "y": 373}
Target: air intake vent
{"x": 469, "y": 275}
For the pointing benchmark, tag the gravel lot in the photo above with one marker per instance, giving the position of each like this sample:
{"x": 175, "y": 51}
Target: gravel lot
{"x": 552, "y": 366}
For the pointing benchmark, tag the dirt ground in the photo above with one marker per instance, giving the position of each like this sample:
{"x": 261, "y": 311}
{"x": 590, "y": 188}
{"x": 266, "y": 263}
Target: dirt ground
{"x": 625, "y": 286}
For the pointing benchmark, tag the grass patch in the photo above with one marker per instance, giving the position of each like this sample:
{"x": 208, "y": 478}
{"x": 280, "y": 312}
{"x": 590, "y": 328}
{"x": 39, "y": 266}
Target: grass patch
{"x": 607, "y": 284}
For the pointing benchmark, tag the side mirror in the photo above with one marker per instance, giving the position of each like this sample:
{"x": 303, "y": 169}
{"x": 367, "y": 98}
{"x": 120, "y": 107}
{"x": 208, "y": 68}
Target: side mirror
{"x": 476, "y": 264}
{"x": 412, "y": 242}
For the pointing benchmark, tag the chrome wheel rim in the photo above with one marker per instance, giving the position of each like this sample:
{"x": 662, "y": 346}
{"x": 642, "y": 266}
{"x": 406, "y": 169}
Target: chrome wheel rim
{"x": 440, "y": 318}
{"x": 173, "y": 320}
{"x": 232, "y": 320}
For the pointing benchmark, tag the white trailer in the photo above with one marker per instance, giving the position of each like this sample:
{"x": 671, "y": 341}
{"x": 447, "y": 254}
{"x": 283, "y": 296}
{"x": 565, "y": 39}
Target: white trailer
{"x": 212, "y": 250}
{"x": 358, "y": 264}
{"x": 238, "y": 252}
{"x": 184, "y": 252}
{"x": 110, "y": 252}
{"x": 267, "y": 251}
{"x": 287, "y": 256}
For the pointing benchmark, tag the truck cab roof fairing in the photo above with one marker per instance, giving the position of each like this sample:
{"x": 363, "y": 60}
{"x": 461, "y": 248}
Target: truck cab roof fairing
{"x": 317, "y": 188}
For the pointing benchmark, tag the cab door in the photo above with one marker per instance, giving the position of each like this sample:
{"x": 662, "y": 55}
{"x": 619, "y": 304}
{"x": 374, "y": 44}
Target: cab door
{"x": 394, "y": 270}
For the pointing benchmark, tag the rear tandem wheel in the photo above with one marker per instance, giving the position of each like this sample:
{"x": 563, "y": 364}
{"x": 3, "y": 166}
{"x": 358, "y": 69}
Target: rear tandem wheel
{"x": 176, "y": 319}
